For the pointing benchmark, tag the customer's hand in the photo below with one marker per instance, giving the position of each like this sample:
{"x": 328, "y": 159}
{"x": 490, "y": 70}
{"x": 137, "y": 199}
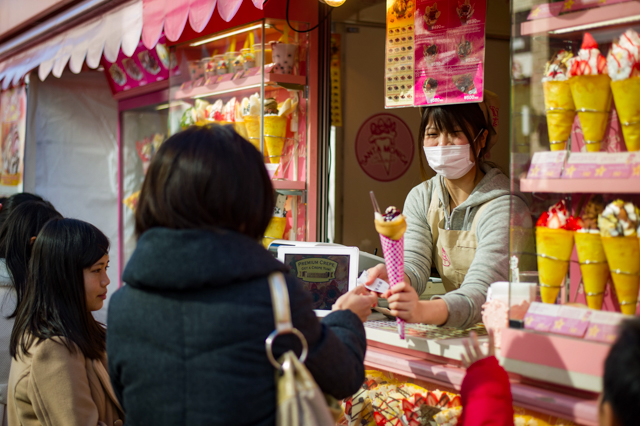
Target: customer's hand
{"x": 473, "y": 351}
{"x": 359, "y": 301}
{"x": 378, "y": 271}
{"x": 404, "y": 302}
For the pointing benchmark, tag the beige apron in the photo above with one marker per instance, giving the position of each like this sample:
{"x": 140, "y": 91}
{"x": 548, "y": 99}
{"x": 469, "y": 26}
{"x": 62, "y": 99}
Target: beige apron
{"x": 453, "y": 251}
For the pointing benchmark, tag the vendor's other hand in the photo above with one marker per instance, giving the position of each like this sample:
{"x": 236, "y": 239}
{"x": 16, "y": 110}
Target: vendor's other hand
{"x": 359, "y": 301}
{"x": 403, "y": 302}
{"x": 473, "y": 351}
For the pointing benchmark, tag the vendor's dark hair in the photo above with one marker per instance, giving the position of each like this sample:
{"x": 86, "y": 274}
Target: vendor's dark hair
{"x": 25, "y": 221}
{"x": 206, "y": 178}
{"x": 621, "y": 380}
{"x": 54, "y": 302}
{"x": 14, "y": 201}
{"x": 468, "y": 117}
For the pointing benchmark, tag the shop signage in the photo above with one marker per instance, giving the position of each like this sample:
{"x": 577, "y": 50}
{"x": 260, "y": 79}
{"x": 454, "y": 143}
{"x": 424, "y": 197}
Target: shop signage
{"x": 547, "y": 165}
{"x": 384, "y": 147}
{"x": 13, "y": 114}
{"x": 600, "y": 165}
{"x": 434, "y": 52}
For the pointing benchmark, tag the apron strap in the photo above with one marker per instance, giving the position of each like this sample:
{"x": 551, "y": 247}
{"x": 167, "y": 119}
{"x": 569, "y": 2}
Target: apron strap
{"x": 474, "y": 224}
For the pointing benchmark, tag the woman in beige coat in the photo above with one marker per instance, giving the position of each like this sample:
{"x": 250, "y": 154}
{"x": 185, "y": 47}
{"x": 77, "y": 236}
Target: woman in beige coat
{"x": 58, "y": 374}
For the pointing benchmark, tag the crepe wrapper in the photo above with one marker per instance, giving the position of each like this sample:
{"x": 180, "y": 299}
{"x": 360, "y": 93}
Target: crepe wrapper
{"x": 623, "y": 255}
{"x": 275, "y": 230}
{"x": 275, "y": 130}
{"x": 625, "y": 95}
{"x": 594, "y": 267}
{"x": 592, "y": 98}
{"x": 554, "y": 247}
{"x": 561, "y": 112}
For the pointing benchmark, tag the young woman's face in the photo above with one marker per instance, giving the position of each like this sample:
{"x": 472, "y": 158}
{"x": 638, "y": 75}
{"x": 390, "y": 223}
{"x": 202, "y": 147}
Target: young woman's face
{"x": 433, "y": 137}
{"x": 96, "y": 282}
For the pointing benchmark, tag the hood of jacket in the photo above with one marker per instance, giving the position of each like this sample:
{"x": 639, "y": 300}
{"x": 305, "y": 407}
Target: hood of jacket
{"x": 494, "y": 184}
{"x": 179, "y": 259}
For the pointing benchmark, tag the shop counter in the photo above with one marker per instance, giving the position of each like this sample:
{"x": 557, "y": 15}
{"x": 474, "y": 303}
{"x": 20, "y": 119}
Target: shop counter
{"x": 431, "y": 359}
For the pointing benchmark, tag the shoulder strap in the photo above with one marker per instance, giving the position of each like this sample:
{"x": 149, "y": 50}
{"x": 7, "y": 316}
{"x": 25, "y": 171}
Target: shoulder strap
{"x": 280, "y": 301}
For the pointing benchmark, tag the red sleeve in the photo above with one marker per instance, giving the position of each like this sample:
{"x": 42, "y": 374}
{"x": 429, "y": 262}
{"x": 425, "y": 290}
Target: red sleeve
{"x": 486, "y": 395}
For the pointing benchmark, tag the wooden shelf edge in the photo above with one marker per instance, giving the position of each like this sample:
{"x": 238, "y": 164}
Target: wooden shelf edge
{"x": 589, "y": 186}
{"x": 581, "y": 17}
{"x": 241, "y": 84}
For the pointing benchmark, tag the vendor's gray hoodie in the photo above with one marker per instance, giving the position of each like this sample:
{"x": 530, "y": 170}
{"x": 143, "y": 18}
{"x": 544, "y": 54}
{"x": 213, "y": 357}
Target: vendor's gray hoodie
{"x": 491, "y": 262}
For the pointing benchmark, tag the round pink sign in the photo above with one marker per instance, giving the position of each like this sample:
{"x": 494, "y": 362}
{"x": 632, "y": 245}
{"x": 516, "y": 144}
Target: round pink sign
{"x": 384, "y": 147}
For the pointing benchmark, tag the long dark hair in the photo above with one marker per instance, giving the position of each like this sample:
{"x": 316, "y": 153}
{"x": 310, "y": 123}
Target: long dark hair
{"x": 54, "y": 302}
{"x": 206, "y": 178}
{"x": 14, "y": 201}
{"x": 467, "y": 117}
{"x": 25, "y": 221}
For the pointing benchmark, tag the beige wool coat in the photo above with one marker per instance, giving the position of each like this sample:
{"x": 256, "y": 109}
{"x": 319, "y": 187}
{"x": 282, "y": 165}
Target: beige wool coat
{"x": 54, "y": 387}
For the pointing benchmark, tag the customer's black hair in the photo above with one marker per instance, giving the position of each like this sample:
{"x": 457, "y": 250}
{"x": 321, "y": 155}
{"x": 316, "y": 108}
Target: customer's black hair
{"x": 206, "y": 178}
{"x": 14, "y": 201}
{"x": 54, "y": 302}
{"x": 622, "y": 374}
{"x": 25, "y": 222}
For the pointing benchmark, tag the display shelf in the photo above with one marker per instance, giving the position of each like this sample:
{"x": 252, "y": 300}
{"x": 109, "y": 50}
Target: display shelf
{"x": 582, "y": 410}
{"x": 584, "y": 19}
{"x": 588, "y": 186}
{"x": 248, "y": 84}
{"x": 552, "y": 358}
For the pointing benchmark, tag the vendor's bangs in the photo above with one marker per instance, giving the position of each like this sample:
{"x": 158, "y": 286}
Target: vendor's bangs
{"x": 444, "y": 120}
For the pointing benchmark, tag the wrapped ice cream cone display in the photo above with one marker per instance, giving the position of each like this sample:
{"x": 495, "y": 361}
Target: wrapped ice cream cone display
{"x": 619, "y": 230}
{"x": 391, "y": 226}
{"x": 558, "y": 101}
{"x": 277, "y": 224}
{"x": 593, "y": 261}
{"x": 554, "y": 245}
{"x": 591, "y": 91}
{"x": 275, "y": 130}
{"x": 623, "y": 63}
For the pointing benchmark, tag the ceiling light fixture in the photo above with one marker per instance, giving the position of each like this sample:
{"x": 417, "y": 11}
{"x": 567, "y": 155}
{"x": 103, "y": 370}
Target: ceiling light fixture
{"x": 333, "y": 3}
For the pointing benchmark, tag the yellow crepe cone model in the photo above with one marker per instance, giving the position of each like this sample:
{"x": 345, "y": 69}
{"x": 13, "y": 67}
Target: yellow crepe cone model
{"x": 593, "y": 261}
{"x": 619, "y": 229}
{"x": 623, "y": 64}
{"x": 558, "y": 101}
{"x": 392, "y": 224}
{"x": 554, "y": 244}
{"x": 275, "y": 130}
{"x": 591, "y": 91}
{"x": 275, "y": 229}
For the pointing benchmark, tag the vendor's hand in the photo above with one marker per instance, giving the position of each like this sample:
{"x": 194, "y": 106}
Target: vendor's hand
{"x": 403, "y": 302}
{"x": 473, "y": 351}
{"x": 378, "y": 271}
{"x": 359, "y": 301}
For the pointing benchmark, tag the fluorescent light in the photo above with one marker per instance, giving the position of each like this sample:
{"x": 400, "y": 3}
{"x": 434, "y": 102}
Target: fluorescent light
{"x": 222, "y": 92}
{"x": 225, "y": 35}
{"x": 617, "y": 21}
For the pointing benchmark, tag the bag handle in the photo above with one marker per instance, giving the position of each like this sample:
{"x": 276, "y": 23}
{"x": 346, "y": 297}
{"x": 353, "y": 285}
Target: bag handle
{"x": 282, "y": 318}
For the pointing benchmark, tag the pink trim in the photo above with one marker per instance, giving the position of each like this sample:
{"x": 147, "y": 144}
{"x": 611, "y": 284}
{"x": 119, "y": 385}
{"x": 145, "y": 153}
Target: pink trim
{"x": 584, "y": 186}
{"x": 312, "y": 132}
{"x": 584, "y": 17}
{"x": 555, "y": 351}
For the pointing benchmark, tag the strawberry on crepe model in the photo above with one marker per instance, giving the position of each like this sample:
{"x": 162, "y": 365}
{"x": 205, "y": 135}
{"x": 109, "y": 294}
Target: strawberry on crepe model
{"x": 623, "y": 63}
{"x": 558, "y": 101}
{"x": 591, "y": 91}
{"x": 554, "y": 244}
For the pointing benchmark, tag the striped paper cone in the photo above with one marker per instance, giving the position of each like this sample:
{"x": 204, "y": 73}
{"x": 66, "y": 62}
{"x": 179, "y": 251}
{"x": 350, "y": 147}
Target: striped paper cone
{"x": 394, "y": 259}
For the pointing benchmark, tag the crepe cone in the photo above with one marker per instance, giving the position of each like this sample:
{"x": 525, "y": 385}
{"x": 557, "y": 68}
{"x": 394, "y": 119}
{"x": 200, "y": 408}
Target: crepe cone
{"x": 558, "y": 244}
{"x": 623, "y": 255}
{"x": 275, "y": 230}
{"x": 592, "y": 93}
{"x": 558, "y": 103}
{"x": 394, "y": 259}
{"x": 626, "y": 94}
{"x": 275, "y": 130}
{"x": 594, "y": 267}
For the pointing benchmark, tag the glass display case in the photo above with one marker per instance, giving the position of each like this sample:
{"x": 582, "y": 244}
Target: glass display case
{"x": 254, "y": 78}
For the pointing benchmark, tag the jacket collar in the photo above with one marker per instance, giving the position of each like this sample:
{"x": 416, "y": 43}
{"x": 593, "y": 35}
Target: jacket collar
{"x": 103, "y": 376}
{"x": 179, "y": 259}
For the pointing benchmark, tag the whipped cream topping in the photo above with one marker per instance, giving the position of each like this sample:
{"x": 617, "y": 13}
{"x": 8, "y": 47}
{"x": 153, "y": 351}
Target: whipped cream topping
{"x": 624, "y": 57}
{"x": 557, "y": 67}
{"x": 587, "y": 62}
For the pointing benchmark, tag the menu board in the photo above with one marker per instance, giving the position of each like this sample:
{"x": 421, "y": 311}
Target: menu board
{"x": 400, "y": 55}
{"x": 442, "y": 44}
{"x": 13, "y": 113}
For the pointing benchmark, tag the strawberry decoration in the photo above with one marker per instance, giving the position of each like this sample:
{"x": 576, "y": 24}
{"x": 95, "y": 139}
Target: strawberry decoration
{"x": 407, "y": 407}
{"x": 444, "y": 400}
{"x": 379, "y": 418}
{"x": 588, "y": 42}
{"x": 455, "y": 402}
{"x": 602, "y": 64}
{"x": 432, "y": 399}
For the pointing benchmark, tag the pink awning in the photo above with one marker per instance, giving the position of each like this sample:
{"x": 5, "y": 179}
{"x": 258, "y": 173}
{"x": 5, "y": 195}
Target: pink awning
{"x": 172, "y": 16}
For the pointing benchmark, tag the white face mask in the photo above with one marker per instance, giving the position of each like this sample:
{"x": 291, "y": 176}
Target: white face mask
{"x": 450, "y": 161}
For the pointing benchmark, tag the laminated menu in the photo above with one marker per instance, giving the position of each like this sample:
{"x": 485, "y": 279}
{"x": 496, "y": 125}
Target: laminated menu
{"x": 399, "y": 56}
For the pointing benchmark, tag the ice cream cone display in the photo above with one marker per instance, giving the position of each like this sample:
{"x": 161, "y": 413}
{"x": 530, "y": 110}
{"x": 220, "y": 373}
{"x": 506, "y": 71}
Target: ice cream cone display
{"x": 391, "y": 226}
{"x": 623, "y": 64}
{"x": 554, "y": 245}
{"x": 591, "y": 91}
{"x": 558, "y": 101}
{"x": 275, "y": 130}
{"x": 593, "y": 261}
{"x": 619, "y": 230}
{"x": 277, "y": 224}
